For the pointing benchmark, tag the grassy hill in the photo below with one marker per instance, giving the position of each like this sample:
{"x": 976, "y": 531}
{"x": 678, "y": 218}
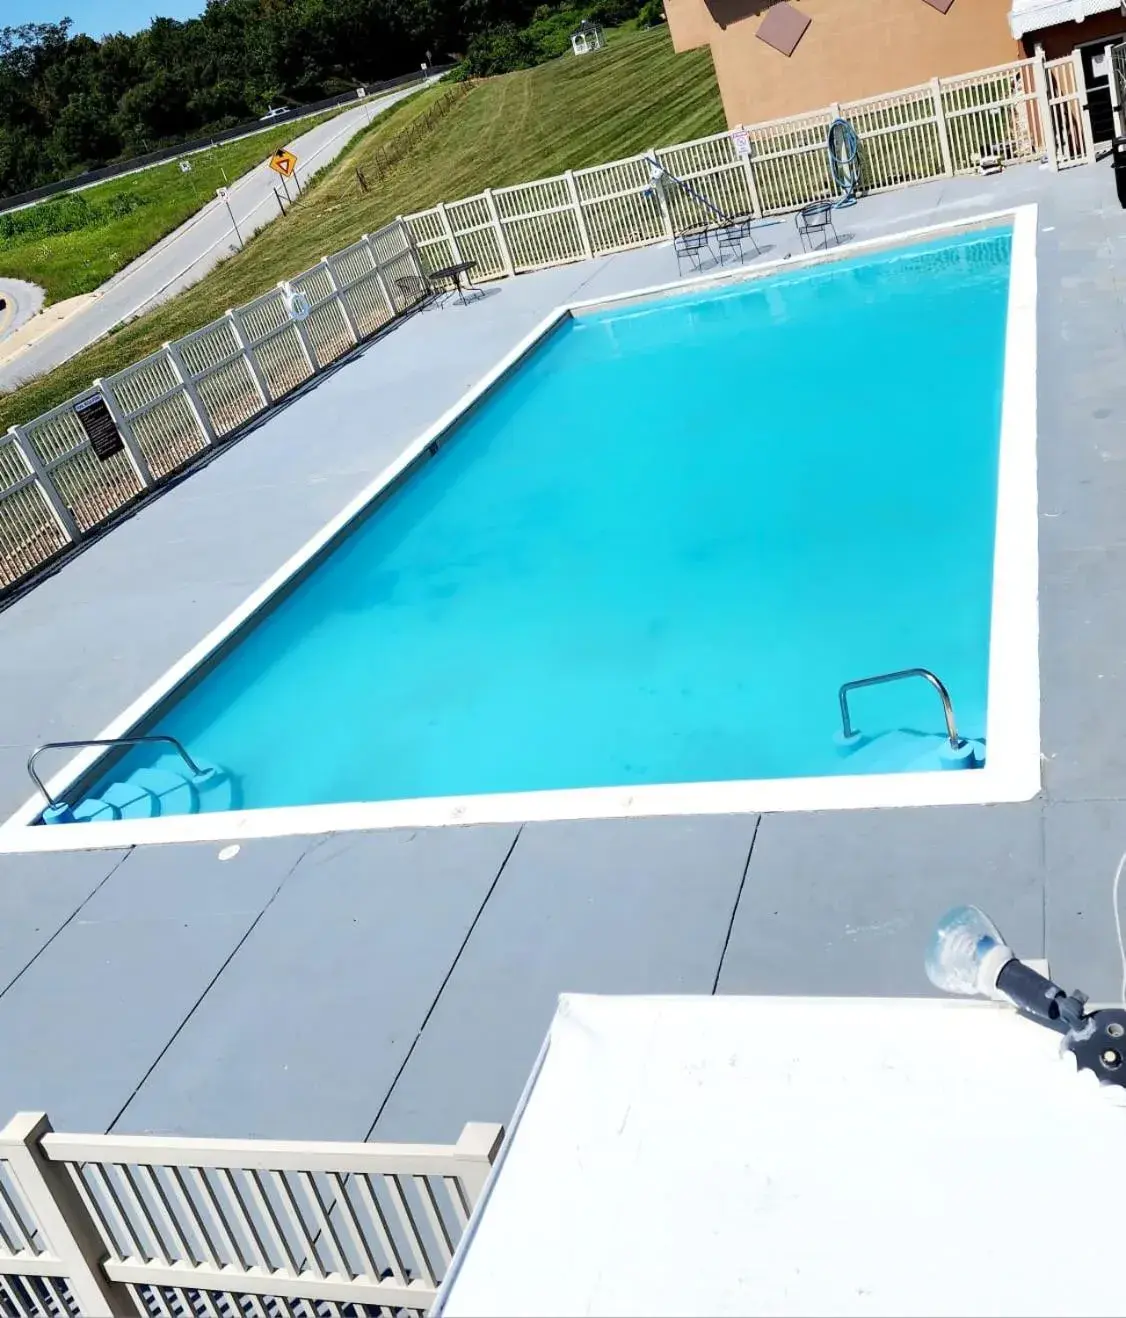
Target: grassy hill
{"x": 564, "y": 115}
{"x": 74, "y": 242}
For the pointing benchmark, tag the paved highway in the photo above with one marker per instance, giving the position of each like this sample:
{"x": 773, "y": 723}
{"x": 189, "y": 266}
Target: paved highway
{"x": 187, "y": 254}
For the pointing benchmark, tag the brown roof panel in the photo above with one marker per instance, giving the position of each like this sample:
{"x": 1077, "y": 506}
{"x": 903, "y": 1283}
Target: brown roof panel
{"x": 782, "y": 27}
{"x": 941, "y": 5}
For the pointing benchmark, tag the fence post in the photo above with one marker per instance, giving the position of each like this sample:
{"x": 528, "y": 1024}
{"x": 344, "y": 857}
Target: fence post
{"x": 55, "y": 501}
{"x": 302, "y": 334}
{"x": 67, "y": 1229}
{"x": 479, "y": 1143}
{"x": 580, "y": 218}
{"x": 351, "y": 324}
{"x": 1044, "y": 107}
{"x": 248, "y": 356}
{"x": 451, "y": 237}
{"x": 498, "y": 227}
{"x": 195, "y": 402}
{"x": 1084, "y": 112}
{"x": 943, "y": 130}
{"x": 662, "y": 201}
{"x": 125, "y": 430}
{"x": 752, "y": 182}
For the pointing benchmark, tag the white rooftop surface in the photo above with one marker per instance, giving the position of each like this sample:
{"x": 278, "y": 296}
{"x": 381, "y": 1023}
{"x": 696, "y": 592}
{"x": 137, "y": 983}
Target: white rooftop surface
{"x": 695, "y": 1155}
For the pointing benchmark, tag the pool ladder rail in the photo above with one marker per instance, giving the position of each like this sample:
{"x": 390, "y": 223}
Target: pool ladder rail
{"x": 956, "y": 753}
{"x": 146, "y": 793}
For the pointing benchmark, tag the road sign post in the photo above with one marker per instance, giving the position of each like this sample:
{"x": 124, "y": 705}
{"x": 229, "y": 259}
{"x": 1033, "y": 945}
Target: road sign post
{"x": 224, "y": 194}
{"x": 283, "y": 162}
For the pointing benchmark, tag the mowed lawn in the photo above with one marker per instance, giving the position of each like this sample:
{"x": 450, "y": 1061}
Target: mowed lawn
{"x": 162, "y": 198}
{"x": 564, "y": 115}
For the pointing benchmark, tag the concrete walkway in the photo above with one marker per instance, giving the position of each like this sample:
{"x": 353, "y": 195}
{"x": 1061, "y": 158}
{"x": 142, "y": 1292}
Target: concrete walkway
{"x": 400, "y": 983}
{"x": 184, "y": 256}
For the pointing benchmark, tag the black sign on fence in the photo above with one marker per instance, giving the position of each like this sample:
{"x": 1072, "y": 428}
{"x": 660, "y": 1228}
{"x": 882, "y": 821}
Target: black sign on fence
{"x": 101, "y": 429}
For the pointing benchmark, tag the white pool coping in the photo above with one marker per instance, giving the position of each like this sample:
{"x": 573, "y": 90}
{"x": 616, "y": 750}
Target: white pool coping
{"x": 1012, "y": 769}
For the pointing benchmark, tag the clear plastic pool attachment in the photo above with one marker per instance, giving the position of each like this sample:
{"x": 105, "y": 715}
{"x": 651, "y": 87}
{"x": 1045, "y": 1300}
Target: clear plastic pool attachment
{"x": 965, "y": 953}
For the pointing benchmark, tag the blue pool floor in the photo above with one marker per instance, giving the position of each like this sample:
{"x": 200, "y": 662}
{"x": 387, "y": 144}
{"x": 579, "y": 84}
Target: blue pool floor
{"x": 652, "y": 555}
{"x": 162, "y": 989}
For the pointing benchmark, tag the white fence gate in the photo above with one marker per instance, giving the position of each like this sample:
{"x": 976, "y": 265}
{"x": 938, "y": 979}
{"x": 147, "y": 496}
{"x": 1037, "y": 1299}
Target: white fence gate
{"x": 95, "y": 1226}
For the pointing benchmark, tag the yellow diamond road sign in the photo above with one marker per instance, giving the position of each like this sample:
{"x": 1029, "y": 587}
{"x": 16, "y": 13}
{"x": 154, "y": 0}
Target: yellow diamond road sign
{"x": 283, "y": 162}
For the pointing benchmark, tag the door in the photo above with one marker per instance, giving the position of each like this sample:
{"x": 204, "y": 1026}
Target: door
{"x": 1096, "y": 78}
{"x": 1118, "y": 82}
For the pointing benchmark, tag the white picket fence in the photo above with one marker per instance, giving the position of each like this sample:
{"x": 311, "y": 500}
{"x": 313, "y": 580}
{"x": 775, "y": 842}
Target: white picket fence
{"x": 95, "y": 1226}
{"x": 171, "y": 407}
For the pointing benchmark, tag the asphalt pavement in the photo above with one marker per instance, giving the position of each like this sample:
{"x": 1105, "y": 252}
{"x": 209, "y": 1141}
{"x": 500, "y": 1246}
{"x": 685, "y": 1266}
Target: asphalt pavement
{"x": 21, "y": 301}
{"x": 189, "y": 252}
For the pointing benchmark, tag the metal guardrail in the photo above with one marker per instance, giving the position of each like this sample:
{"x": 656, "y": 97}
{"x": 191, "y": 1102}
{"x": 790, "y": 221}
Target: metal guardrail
{"x": 947, "y": 707}
{"x": 154, "y": 738}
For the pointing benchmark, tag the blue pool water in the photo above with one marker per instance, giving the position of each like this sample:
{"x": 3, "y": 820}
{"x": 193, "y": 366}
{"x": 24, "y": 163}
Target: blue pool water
{"x": 653, "y": 555}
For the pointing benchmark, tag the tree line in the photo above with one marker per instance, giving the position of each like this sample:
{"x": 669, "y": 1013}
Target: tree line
{"x": 70, "y": 102}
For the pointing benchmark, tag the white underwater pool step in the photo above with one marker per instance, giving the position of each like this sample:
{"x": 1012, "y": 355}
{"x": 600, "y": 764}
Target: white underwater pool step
{"x": 901, "y": 751}
{"x": 151, "y": 792}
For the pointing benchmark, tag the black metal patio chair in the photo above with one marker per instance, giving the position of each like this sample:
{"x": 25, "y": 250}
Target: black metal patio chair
{"x": 688, "y": 247}
{"x": 731, "y": 237}
{"x": 415, "y": 291}
{"x": 814, "y": 219}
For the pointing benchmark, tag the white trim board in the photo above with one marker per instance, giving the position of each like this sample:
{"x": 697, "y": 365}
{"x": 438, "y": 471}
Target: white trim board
{"x": 1012, "y": 770}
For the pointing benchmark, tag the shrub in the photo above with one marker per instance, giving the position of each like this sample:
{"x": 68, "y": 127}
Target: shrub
{"x": 66, "y": 214}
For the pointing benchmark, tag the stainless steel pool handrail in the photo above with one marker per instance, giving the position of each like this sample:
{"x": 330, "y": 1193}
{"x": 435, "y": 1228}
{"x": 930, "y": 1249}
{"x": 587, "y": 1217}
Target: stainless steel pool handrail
{"x": 947, "y": 707}
{"x": 178, "y": 746}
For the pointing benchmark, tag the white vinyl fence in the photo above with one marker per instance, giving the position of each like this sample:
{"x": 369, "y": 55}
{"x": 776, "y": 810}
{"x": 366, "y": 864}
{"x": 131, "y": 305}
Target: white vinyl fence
{"x": 95, "y": 1226}
{"x": 55, "y": 489}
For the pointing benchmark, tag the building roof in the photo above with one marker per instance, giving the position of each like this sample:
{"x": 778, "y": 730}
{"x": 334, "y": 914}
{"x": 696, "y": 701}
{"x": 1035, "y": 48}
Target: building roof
{"x": 661, "y": 1129}
{"x": 1032, "y": 15}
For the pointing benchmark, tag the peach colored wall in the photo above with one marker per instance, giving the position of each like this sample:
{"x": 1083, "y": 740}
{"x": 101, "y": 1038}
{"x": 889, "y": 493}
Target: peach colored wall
{"x": 852, "y": 49}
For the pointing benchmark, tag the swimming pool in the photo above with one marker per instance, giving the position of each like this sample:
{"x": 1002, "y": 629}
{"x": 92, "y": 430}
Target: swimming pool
{"x": 649, "y": 555}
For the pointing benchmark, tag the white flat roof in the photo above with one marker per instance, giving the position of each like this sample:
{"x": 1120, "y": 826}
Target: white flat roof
{"x": 728, "y": 1155}
{"x": 1032, "y": 15}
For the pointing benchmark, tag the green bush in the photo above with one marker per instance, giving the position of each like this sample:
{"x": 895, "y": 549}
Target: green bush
{"x": 506, "y": 48}
{"x": 67, "y": 214}
{"x": 500, "y": 49}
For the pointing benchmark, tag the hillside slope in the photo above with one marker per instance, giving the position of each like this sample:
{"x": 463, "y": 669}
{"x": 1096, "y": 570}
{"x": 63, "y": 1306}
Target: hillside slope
{"x": 564, "y": 115}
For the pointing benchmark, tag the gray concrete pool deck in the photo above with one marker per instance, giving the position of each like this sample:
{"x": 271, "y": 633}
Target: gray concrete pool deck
{"x": 399, "y": 984}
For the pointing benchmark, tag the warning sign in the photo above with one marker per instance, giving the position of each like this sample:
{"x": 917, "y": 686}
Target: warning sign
{"x": 741, "y": 140}
{"x": 283, "y": 162}
{"x": 100, "y": 427}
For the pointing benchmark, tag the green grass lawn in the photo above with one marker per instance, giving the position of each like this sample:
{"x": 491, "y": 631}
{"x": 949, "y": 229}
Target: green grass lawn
{"x": 155, "y": 202}
{"x": 563, "y": 115}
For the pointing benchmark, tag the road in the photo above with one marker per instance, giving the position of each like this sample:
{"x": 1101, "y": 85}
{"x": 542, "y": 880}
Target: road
{"x": 21, "y": 301}
{"x": 186, "y": 255}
